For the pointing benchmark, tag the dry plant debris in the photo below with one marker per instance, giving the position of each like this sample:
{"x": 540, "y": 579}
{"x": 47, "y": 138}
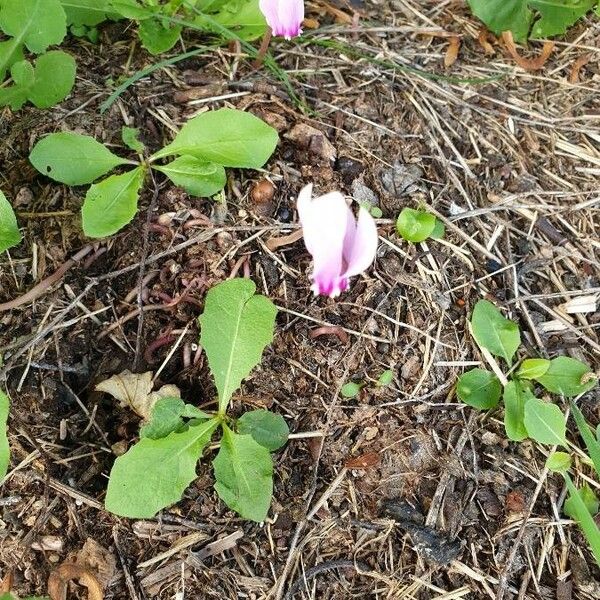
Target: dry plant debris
{"x": 506, "y": 157}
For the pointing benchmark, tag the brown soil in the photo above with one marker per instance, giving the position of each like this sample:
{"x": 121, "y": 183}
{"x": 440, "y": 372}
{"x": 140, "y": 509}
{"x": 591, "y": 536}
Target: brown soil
{"x": 441, "y": 506}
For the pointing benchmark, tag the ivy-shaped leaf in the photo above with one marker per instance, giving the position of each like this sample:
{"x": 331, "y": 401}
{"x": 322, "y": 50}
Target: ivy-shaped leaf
{"x": 494, "y": 332}
{"x": 153, "y": 474}
{"x": 235, "y": 328}
{"x": 244, "y": 475}
{"x": 9, "y": 229}
{"x": 112, "y": 203}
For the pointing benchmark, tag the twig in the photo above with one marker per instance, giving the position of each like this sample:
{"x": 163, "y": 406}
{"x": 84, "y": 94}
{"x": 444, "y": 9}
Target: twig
{"x": 43, "y": 286}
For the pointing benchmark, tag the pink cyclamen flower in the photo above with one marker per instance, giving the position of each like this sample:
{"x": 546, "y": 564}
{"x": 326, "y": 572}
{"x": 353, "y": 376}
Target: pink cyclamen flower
{"x": 284, "y": 17}
{"x": 341, "y": 245}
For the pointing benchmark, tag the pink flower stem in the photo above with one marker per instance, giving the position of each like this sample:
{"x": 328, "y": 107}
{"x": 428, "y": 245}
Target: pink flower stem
{"x": 264, "y": 46}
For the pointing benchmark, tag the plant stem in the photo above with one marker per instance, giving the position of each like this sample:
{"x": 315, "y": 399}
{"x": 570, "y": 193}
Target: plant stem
{"x": 264, "y": 46}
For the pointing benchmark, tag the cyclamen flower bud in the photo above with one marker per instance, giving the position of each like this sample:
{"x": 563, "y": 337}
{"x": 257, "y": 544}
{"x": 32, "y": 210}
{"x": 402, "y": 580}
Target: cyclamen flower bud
{"x": 284, "y": 17}
{"x": 341, "y": 245}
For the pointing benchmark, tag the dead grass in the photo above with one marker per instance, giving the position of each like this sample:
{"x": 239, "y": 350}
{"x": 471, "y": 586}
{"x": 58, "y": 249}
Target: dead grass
{"x": 508, "y": 159}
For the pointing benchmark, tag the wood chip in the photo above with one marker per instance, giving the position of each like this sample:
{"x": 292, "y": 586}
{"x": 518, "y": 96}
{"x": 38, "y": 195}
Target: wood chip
{"x": 579, "y": 63}
{"x": 580, "y": 305}
{"x": 452, "y": 51}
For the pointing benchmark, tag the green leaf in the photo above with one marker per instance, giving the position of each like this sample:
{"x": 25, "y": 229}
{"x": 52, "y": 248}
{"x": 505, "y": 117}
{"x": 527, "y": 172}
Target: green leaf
{"x": 23, "y": 76}
{"x": 375, "y": 211}
{"x": 9, "y": 55}
{"x": 195, "y": 176}
{"x": 167, "y": 416}
{"x": 415, "y": 225}
{"x": 235, "y": 328}
{"x": 438, "y": 231}
{"x": 351, "y": 389}
{"x": 72, "y": 158}
{"x": 479, "y": 388}
{"x": 131, "y": 9}
{"x": 493, "y": 332}
{"x": 112, "y": 203}
{"x": 156, "y": 37}
{"x": 9, "y": 229}
{"x": 589, "y": 498}
{"x": 532, "y": 368}
{"x": 87, "y": 12}
{"x": 130, "y": 136}
{"x": 385, "y": 378}
{"x": 244, "y": 475}
{"x": 504, "y": 15}
{"x": 228, "y": 137}
{"x": 582, "y": 515}
{"x": 558, "y": 15}
{"x": 267, "y": 429}
{"x": 4, "y": 447}
{"x": 559, "y": 462}
{"x": 568, "y": 377}
{"x": 54, "y": 79}
{"x": 591, "y": 443}
{"x": 153, "y": 474}
{"x": 35, "y": 23}
{"x": 244, "y": 18}
{"x": 545, "y": 422}
{"x": 516, "y": 396}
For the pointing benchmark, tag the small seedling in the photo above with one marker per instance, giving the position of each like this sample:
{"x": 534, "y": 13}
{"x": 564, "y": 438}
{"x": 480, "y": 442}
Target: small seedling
{"x": 418, "y": 225}
{"x": 531, "y": 18}
{"x": 236, "y": 326}
{"x": 33, "y": 26}
{"x": 352, "y": 389}
{"x": 525, "y": 415}
{"x": 205, "y": 145}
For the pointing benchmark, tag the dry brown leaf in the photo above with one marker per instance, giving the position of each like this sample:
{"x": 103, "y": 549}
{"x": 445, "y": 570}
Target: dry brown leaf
{"x": 60, "y": 577}
{"x": 134, "y": 390}
{"x": 583, "y": 60}
{"x": 364, "y": 461}
{"x": 313, "y": 140}
{"x": 283, "y": 240}
{"x": 98, "y": 559}
{"x": 452, "y": 51}
{"x": 6, "y": 583}
{"x": 484, "y": 39}
{"x": 309, "y": 23}
{"x": 329, "y": 330}
{"x": 529, "y": 64}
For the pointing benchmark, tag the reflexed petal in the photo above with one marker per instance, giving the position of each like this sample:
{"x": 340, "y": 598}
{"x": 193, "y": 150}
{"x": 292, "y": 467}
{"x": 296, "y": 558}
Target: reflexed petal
{"x": 324, "y": 222}
{"x": 270, "y": 9}
{"x": 304, "y": 202}
{"x": 293, "y": 17}
{"x": 360, "y": 251}
{"x": 284, "y": 17}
